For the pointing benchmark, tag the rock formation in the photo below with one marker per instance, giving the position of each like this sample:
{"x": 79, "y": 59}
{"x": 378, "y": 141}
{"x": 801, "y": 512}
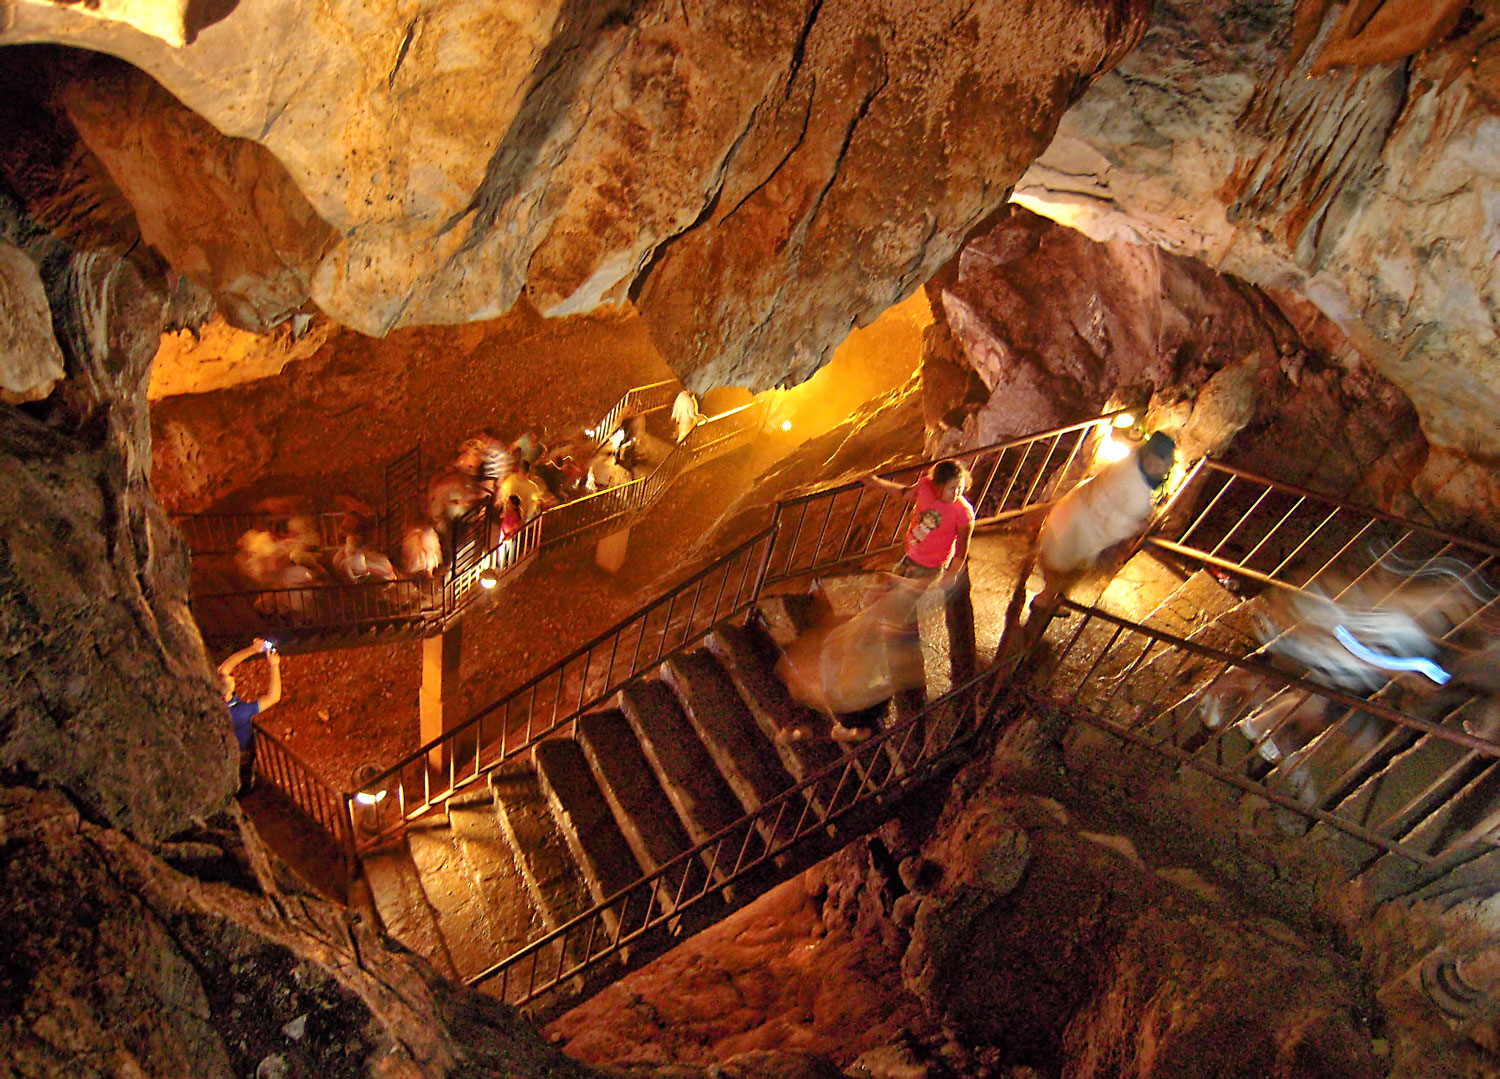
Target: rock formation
{"x": 1051, "y": 326}
{"x": 104, "y": 688}
{"x": 119, "y": 963}
{"x": 1368, "y": 190}
{"x": 743, "y": 171}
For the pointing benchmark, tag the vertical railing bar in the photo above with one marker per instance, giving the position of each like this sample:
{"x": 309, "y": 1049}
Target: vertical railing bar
{"x": 1042, "y": 471}
{"x": 1273, "y": 530}
{"x": 1297, "y": 550}
{"x": 667, "y": 626}
{"x": 1203, "y": 514}
{"x": 1245, "y": 516}
{"x": 797, "y": 539}
{"x": 823, "y": 528}
{"x": 1342, "y": 550}
{"x": 1015, "y": 473}
{"x": 843, "y": 548}
{"x": 692, "y": 619}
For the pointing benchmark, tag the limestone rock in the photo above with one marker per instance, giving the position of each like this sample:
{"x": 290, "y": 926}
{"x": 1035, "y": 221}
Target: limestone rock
{"x": 1224, "y": 407}
{"x": 743, "y": 171}
{"x": 222, "y": 211}
{"x": 1054, "y": 323}
{"x": 104, "y": 687}
{"x": 116, "y": 964}
{"x": 30, "y": 361}
{"x": 1367, "y": 191}
{"x": 1093, "y": 967}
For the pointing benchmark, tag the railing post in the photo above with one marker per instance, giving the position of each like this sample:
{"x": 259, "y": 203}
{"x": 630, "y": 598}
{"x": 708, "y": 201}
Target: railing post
{"x": 765, "y": 559}
{"x": 351, "y": 842}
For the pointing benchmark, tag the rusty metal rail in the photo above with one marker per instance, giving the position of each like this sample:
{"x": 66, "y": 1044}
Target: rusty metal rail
{"x": 614, "y": 506}
{"x": 1154, "y": 689}
{"x": 851, "y": 522}
{"x": 293, "y": 777}
{"x": 365, "y": 611}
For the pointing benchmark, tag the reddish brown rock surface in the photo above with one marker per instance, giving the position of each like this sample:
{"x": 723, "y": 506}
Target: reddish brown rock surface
{"x": 1049, "y": 326}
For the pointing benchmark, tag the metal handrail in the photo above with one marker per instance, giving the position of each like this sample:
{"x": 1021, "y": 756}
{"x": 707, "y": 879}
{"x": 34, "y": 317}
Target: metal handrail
{"x": 369, "y": 605}
{"x": 568, "y": 521}
{"x": 1133, "y": 665}
{"x": 277, "y": 764}
{"x": 636, "y": 401}
{"x": 219, "y": 533}
{"x": 898, "y": 757}
{"x": 854, "y": 522}
{"x": 704, "y": 439}
{"x": 1390, "y": 518}
{"x": 473, "y": 751}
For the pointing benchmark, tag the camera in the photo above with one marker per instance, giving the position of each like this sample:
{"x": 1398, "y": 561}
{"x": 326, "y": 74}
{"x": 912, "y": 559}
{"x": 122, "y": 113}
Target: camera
{"x": 267, "y": 645}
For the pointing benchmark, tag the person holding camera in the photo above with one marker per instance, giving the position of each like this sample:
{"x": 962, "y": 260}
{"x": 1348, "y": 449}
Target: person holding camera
{"x": 242, "y": 713}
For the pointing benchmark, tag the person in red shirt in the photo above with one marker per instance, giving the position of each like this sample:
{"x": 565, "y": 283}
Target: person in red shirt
{"x": 941, "y": 525}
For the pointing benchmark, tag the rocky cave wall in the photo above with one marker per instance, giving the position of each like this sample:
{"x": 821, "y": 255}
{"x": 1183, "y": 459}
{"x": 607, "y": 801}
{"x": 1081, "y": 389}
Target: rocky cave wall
{"x": 741, "y": 171}
{"x": 1368, "y": 191}
{"x": 1038, "y": 325}
{"x": 759, "y": 156}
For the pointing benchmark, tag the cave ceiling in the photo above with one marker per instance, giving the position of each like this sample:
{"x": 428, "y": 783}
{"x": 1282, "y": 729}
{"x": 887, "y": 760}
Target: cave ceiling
{"x": 743, "y": 172}
{"x": 1325, "y": 160}
{"x": 758, "y": 178}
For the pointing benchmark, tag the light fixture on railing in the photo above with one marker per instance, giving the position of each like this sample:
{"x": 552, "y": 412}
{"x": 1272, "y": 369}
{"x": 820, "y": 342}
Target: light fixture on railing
{"x": 1113, "y": 449}
{"x": 488, "y": 578}
{"x": 367, "y": 816}
{"x": 1125, "y": 419}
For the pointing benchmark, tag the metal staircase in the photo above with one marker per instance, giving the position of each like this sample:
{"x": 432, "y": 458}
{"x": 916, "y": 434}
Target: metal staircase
{"x": 638, "y": 789}
{"x": 1388, "y": 786}
{"x": 643, "y": 786}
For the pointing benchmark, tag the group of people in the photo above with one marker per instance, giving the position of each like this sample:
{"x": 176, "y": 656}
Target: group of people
{"x": 293, "y": 549}
{"x": 515, "y": 481}
{"x": 849, "y": 663}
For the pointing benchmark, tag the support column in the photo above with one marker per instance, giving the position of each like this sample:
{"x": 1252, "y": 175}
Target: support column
{"x": 436, "y": 709}
{"x": 609, "y": 552}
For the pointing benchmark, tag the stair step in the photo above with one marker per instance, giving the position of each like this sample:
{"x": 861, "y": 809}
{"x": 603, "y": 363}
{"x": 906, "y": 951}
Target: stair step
{"x": 742, "y": 753}
{"x": 1467, "y": 876}
{"x": 465, "y": 915}
{"x": 750, "y": 656}
{"x": 1387, "y": 795}
{"x": 583, "y": 815}
{"x": 642, "y": 812}
{"x": 545, "y": 862}
{"x": 403, "y": 905}
{"x": 512, "y": 918}
{"x": 702, "y": 800}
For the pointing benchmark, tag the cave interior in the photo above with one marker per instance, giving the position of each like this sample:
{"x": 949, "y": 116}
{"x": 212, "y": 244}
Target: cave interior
{"x": 640, "y": 776}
